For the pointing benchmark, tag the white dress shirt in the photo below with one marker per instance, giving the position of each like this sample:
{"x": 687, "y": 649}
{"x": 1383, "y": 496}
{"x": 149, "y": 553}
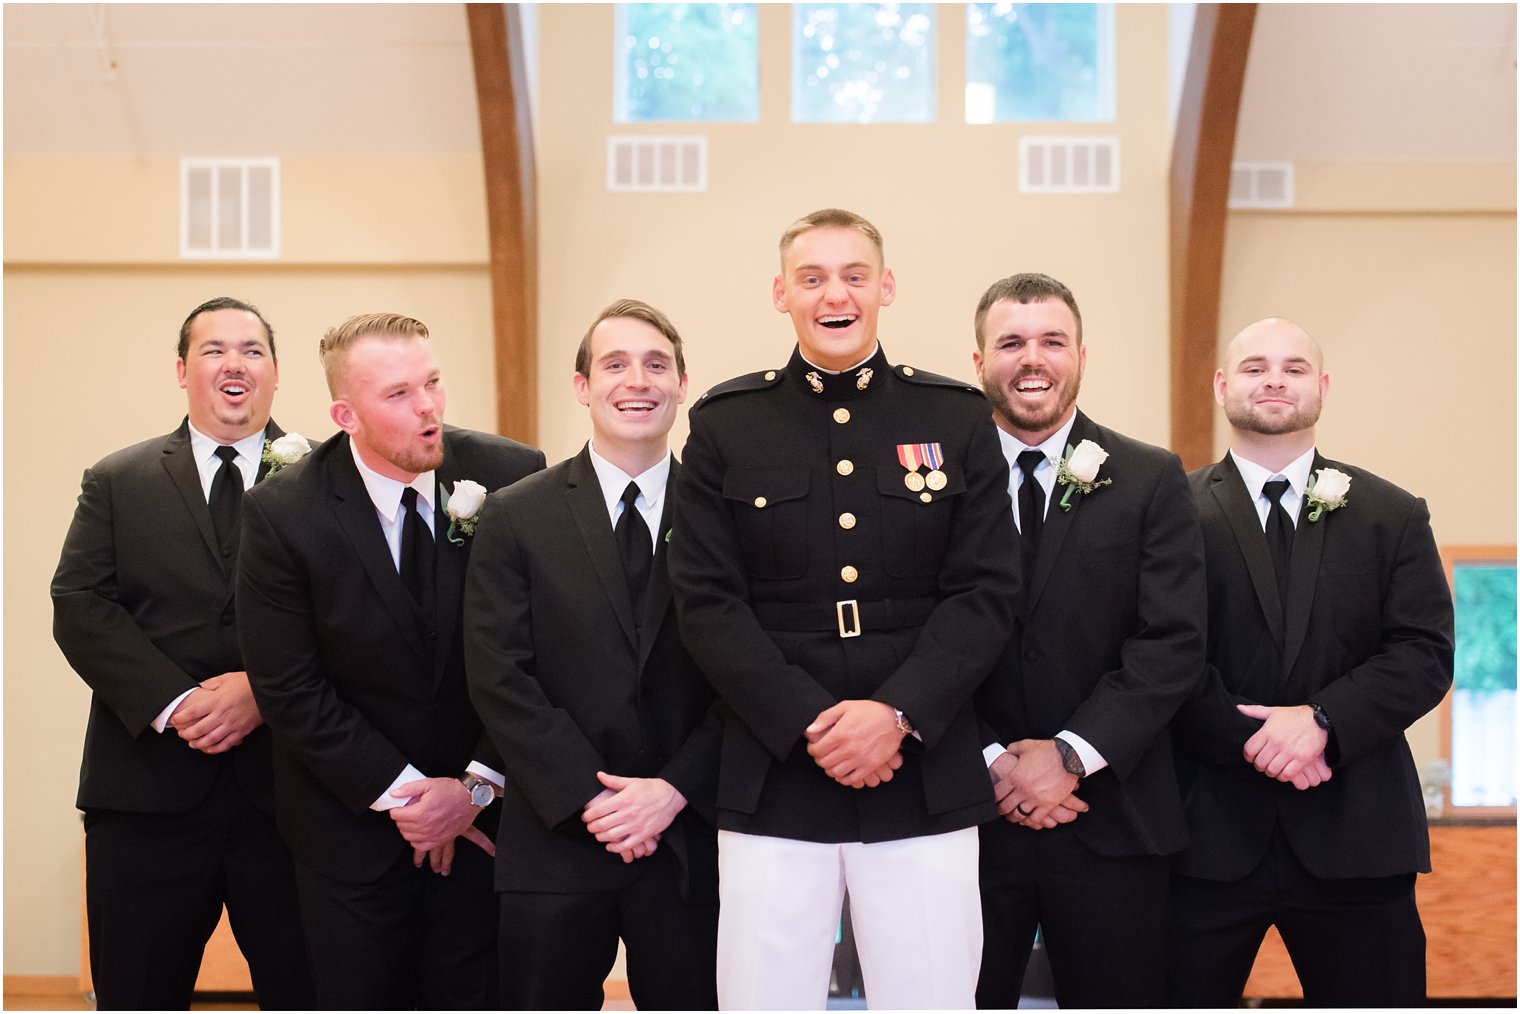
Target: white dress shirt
{"x": 651, "y": 482}
{"x": 207, "y": 463}
{"x": 1255, "y": 476}
{"x": 1054, "y": 449}
{"x": 385, "y": 493}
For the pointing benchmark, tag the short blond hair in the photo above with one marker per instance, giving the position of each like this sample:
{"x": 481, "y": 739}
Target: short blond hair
{"x": 336, "y": 343}
{"x": 831, "y": 218}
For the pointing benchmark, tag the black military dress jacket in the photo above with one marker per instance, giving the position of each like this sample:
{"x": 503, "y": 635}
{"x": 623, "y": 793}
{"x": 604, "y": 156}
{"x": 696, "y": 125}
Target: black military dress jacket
{"x": 809, "y": 568}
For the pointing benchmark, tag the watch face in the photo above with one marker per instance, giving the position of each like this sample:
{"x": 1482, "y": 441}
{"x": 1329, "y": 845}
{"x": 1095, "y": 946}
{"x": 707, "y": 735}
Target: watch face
{"x": 481, "y": 794}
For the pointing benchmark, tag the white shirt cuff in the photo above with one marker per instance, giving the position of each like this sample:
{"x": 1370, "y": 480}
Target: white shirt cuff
{"x": 489, "y": 774}
{"x": 162, "y": 721}
{"x": 1092, "y": 760}
{"x": 390, "y": 802}
{"x": 992, "y": 752}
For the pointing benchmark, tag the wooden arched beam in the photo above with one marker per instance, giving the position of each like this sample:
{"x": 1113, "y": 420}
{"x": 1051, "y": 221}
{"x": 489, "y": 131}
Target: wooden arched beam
{"x": 506, "y": 139}
{"x": 1202, "y": 149}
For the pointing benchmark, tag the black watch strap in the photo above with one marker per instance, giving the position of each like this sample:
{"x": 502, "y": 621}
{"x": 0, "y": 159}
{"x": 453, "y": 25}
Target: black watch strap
{"x": 1320, "y": 718}
{"x": 1069, "y": 759}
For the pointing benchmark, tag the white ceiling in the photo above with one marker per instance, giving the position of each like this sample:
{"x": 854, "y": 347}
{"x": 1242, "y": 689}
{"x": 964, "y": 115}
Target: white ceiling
{"x": 1326, "y": 82}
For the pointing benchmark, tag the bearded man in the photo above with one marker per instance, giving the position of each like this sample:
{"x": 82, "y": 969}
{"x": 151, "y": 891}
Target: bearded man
{"x": 1330, "y": 628}
{"x": 1108, "y": 643}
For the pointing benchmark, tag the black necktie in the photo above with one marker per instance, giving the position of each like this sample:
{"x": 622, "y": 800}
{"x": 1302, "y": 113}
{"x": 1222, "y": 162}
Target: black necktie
{"x": 226, "y": 500}
{"x": 1279, "y": 535}
{"x": 637, "y": 549}
{"x": 1031, "y": 508}
{"x": 417, "y": 553}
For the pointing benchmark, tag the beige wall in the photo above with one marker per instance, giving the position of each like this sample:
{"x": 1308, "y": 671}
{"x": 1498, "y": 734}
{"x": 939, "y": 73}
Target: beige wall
{"x": 943, "y": 194}
{"x": 1386, "y": 274}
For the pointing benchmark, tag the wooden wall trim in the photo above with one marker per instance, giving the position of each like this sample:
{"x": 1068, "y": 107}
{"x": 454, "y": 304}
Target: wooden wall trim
{"x": 506, "y": 139}
{"x": 1202, "y": 149}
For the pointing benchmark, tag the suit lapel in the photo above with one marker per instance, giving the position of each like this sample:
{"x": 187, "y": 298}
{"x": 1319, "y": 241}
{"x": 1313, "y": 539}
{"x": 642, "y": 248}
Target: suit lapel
{"x": 658, "y": 599}
{"x": 271, "y": 432}
{"x": 1303, "y": 576}
{"x": 448, "y": 590}
{"x": 1229, "y": 491}
{"x": 355, "y": 512}
{"x": 583, "y": 495}
{"x": 179, "y": 462}
{"x": 1058, "y": 522}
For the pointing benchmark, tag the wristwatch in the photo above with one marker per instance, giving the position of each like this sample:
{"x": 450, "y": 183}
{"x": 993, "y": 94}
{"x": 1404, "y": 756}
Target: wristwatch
{"x": 1069, "y": 759}
{"x": 903, "y": 725}
{"x": 1320, "y": 718}
{"x": 482, "y": 790}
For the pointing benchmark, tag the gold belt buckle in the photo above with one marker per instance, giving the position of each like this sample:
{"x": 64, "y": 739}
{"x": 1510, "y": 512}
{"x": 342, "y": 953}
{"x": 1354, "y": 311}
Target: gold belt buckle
{"x": 850, "y": 628}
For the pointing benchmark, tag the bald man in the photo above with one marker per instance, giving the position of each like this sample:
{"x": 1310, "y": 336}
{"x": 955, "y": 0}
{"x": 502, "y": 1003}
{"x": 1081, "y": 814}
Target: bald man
{"x": 1330, "y": 633}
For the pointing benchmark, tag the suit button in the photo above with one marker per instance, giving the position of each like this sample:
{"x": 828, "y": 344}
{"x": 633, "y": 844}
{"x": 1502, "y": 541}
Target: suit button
{"x": 227, "y": 618}
{"x": 770, "y": 374}
{"x": 846, "y": 521}
{"x": 845, "y": 466}
{"x": 841, "y": 415}
{"x": 760, "y": 501}
{"x": 907, "y": 371}
{"x": 848, "y": 574}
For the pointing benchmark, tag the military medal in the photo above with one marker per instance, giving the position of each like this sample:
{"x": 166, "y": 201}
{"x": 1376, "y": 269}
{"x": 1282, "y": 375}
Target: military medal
{"x": 934, "y": 456}
{"x": 908, "y": 457}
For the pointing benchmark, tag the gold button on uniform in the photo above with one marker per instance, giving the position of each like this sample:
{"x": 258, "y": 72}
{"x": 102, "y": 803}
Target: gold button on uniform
{"x": 841, "y": 415}
{"x": 770, "y": 374}
{"x": 907, "y": 371}
{"x": 926, "y": 497}
{"x": 846, "y": 521}
{"x": 849, "y": 574}
{"x": 845, "y": 466}
{"x": 759, "y": 501}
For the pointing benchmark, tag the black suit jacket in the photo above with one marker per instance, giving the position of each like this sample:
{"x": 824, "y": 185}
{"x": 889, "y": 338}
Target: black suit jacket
{"x": 342, "y": 672}
{"x": 1109, "y": 643}
{"x": 143, "y": 610}
{"x": 567, "y": 683}
{"x": 1367, "y": 636}
{"x": 764, "y": 551}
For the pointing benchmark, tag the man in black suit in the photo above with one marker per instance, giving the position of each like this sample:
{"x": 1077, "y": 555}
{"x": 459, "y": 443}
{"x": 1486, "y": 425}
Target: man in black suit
{"x": 578, "y": 673}
{"x": 1108, "y": 644}
{"x": 1330, "y": 632}
{"x": 349, "y": 613}
{"x": 845, "y": 574}
{"x": 175, "y": 782}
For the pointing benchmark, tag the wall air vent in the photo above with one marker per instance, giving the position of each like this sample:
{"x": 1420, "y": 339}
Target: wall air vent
{"x": 229, "y": 208}
{"x": 1261, "y": 185}
{"x": 675, "y": 163}
{"x": 1069, "y": 165}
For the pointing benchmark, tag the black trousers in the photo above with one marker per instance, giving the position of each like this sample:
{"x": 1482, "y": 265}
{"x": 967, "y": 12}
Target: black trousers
{"x": 412, "y": 940}
{"x": 155, "y": 885}
{"x": 1102, "y": 919}
{"x": 1354, "y": 943}
{"x": 556, "y": 949}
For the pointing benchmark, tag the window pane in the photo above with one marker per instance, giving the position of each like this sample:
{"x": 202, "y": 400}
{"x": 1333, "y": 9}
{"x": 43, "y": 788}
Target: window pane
{"x": 863, "y": 63}
{"x": 687, "y": 62}
{"x": 1039, "y": 62}
{"x": 1483, "y": 697}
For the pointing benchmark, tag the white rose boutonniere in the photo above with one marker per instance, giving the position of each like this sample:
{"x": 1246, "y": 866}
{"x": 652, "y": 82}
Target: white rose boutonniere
{"x": 1079, "y": 470}
{"x": 463, "y": 507}
{"x": 287, "y": 450}
{"x": 1327, "y": 491}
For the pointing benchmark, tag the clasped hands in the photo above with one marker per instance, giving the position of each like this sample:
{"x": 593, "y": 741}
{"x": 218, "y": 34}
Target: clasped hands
{"x": 856, "y": 743}
{"x": 217, "y": 715}
{"x": 1289, "y": 746}
{"x": 438, "y": 814}
{"x": 1032, "y": 787}
{"x": 630, "y": 814}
